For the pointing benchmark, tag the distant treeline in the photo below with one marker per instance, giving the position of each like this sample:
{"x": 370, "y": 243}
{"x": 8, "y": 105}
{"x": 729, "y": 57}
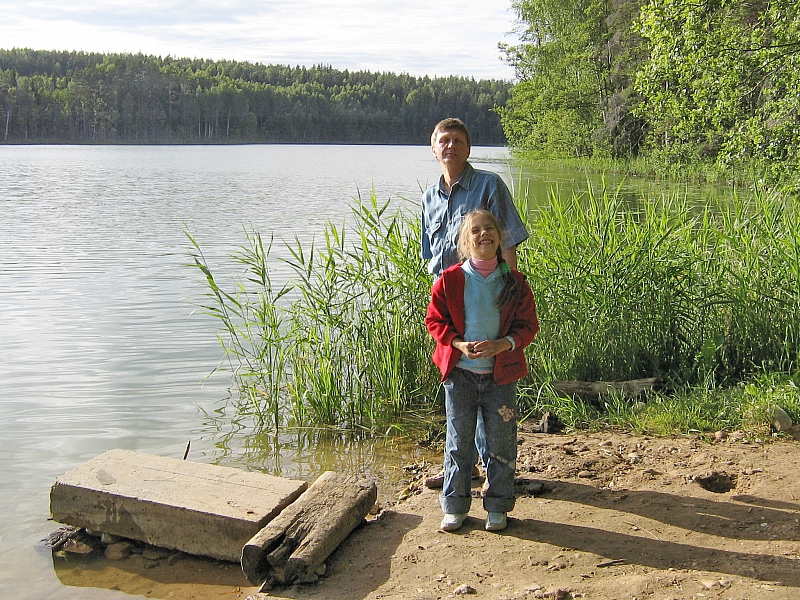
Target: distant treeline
{"x": 77, "y": 97}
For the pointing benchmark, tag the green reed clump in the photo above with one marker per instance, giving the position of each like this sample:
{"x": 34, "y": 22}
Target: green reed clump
{"x": 629, "y": 289}
{"x": 345, "y": 344}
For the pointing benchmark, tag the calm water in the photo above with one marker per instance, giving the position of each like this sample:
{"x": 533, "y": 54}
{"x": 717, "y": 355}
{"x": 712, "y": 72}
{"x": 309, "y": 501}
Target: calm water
{"x": 101, "y": 345}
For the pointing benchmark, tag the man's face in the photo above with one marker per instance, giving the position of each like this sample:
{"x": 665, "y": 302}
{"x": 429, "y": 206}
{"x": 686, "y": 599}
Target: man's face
{"x": 450, "y": 147}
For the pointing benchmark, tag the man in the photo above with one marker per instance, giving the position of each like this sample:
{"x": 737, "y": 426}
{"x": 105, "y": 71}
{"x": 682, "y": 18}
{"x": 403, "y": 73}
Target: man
{"x": 460, "y": 189}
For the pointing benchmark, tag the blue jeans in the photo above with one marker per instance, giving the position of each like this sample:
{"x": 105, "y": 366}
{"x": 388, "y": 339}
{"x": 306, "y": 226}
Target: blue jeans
{"x": 467, "y": 393}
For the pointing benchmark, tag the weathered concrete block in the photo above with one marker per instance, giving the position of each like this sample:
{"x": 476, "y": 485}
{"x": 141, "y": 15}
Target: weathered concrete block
{"x": 196, "y": 508}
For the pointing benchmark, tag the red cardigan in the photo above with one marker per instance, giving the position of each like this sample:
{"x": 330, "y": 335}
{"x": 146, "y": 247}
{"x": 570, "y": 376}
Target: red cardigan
{"x": 445, "y": 322}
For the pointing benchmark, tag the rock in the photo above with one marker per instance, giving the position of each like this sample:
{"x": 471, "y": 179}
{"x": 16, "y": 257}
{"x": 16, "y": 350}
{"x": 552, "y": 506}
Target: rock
{"x": 779, "y": 420}
{"x": 753, "y": 471}
{"x": 720, "y": 436}
{"x": 465, "y": 589}
{"x": 154, "y": 553}
{"x": 76, "y": 547}
{"x": 118, "y": 550}
{"x": 435, "y": 481}
{"x": 585, "y": 474}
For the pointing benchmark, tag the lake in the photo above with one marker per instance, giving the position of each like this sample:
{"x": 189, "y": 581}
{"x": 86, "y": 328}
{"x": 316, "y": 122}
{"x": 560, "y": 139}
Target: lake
{"x": 102, "y": 344}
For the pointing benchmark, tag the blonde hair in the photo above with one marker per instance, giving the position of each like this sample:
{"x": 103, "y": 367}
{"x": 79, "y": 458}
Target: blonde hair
{"x": 463, "y": 245}
{"x": 509, "y": 290}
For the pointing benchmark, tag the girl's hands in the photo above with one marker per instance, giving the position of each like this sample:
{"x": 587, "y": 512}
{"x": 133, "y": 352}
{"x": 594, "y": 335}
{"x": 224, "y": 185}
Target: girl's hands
{"x": 484, "y": 349}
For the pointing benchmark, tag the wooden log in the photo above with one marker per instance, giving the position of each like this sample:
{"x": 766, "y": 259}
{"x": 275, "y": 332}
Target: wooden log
{"x": 296, "y": 543}
{"x": 594, "y": 390}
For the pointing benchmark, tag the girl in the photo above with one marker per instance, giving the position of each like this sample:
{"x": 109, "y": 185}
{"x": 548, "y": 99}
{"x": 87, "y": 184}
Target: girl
{"x": 481, "y": 315}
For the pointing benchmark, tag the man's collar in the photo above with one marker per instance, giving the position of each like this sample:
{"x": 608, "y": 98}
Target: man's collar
{"x": 464, "y": 180}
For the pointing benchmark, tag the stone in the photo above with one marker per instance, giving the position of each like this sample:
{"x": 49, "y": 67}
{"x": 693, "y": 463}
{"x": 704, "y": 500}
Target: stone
{"x": 779, "y": 420}
{"x": 118, "y": 550}
{"x": 465, "y": 589}
{"x": 196, "y": 508}
{"x": 155, "y": 553}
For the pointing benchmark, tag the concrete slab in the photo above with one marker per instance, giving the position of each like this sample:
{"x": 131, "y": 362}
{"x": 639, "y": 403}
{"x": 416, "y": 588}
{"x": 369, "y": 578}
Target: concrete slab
{"x": 193, "y": 507}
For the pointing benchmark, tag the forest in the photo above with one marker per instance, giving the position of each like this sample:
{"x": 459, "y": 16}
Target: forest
{"x": 77, "y": 97}
{"x": 676, "y": 81}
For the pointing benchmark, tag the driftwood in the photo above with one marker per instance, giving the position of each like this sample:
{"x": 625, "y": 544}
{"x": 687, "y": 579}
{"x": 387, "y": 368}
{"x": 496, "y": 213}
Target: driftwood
{"x": 295, "y": 544}
{"x": 595, "y": 390}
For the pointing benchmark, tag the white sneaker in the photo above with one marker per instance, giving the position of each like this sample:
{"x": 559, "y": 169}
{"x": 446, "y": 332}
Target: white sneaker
{"x": 452, "y": 521}
{"x": 496, "y": 521}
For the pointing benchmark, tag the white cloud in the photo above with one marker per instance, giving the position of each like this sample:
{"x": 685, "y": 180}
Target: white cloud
{"x": 420, "y": 37}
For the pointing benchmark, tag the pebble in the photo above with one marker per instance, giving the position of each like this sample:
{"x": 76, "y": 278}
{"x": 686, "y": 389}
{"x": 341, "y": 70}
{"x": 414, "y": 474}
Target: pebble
{"x": 780, "y": 420}
{"x": 465, "y": 589}
{"x": 107, "y": 538}
{"x": 118, "y": 550}
{"x": 154, "y": 553}
{"x": 752, "y": 471}
{"x": 585, "y": 474}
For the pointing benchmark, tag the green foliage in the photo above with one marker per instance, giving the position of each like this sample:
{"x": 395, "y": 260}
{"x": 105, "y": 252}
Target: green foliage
{"x": 345, "y": 345}
{"x": 705, "y": 297}
{"x": 690, "y": 294}
{"x": 574, "y": 92}
{"x": 680, "y": 82}
{"x": 88, "y": 97}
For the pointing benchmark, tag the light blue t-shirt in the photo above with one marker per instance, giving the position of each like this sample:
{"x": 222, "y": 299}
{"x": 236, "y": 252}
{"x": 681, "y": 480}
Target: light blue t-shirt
{"x": 481, "y": 316}
{"x": 442, "y": 214}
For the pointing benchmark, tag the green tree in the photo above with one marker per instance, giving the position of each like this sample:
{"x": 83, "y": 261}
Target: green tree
{"x": 574, "y": 67}
{"x": 721, "y": 81}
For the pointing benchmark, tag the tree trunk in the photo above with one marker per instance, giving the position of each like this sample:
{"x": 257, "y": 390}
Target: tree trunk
{"x": 294, "y": 544}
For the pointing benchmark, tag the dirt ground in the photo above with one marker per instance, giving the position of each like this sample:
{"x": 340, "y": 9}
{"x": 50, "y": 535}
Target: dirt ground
{"x": 605, "y": 515}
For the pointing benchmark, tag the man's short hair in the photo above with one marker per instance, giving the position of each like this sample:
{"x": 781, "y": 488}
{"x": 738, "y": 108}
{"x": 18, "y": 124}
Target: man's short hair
{"x": 451, "y": 123}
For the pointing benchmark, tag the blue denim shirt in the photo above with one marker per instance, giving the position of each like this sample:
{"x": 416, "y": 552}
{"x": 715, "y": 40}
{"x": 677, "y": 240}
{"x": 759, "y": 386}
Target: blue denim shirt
{"x": 442, "y": 214}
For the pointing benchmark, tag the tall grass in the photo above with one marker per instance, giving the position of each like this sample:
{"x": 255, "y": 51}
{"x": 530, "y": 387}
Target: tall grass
{"x": 345, "y": 344}
{"x": 692, "y": 294}
{"x": 706, "y": 297}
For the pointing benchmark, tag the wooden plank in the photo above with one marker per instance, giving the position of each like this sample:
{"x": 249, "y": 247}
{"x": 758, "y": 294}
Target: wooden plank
{"x": 293, "y": 545}
{"x": 197, "y": 508}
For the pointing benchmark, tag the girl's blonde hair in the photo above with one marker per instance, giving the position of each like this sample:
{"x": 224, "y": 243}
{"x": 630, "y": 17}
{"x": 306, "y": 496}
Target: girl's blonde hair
{"x": 509, "y": 289}
{"x": 464, "y": 242}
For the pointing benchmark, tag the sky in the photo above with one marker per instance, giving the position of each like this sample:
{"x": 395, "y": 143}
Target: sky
{"x": 420, "y": 37}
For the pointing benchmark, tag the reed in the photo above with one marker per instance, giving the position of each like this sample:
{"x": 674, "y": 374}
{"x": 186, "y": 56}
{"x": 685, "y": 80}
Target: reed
{"x": 660, "y": 288}
{"x": 345, "y": 344}
{"x": 706, "y": 297}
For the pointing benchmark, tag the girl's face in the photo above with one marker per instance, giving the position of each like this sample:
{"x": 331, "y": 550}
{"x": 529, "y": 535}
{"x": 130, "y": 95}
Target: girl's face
{"x": 484, "y": 239}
